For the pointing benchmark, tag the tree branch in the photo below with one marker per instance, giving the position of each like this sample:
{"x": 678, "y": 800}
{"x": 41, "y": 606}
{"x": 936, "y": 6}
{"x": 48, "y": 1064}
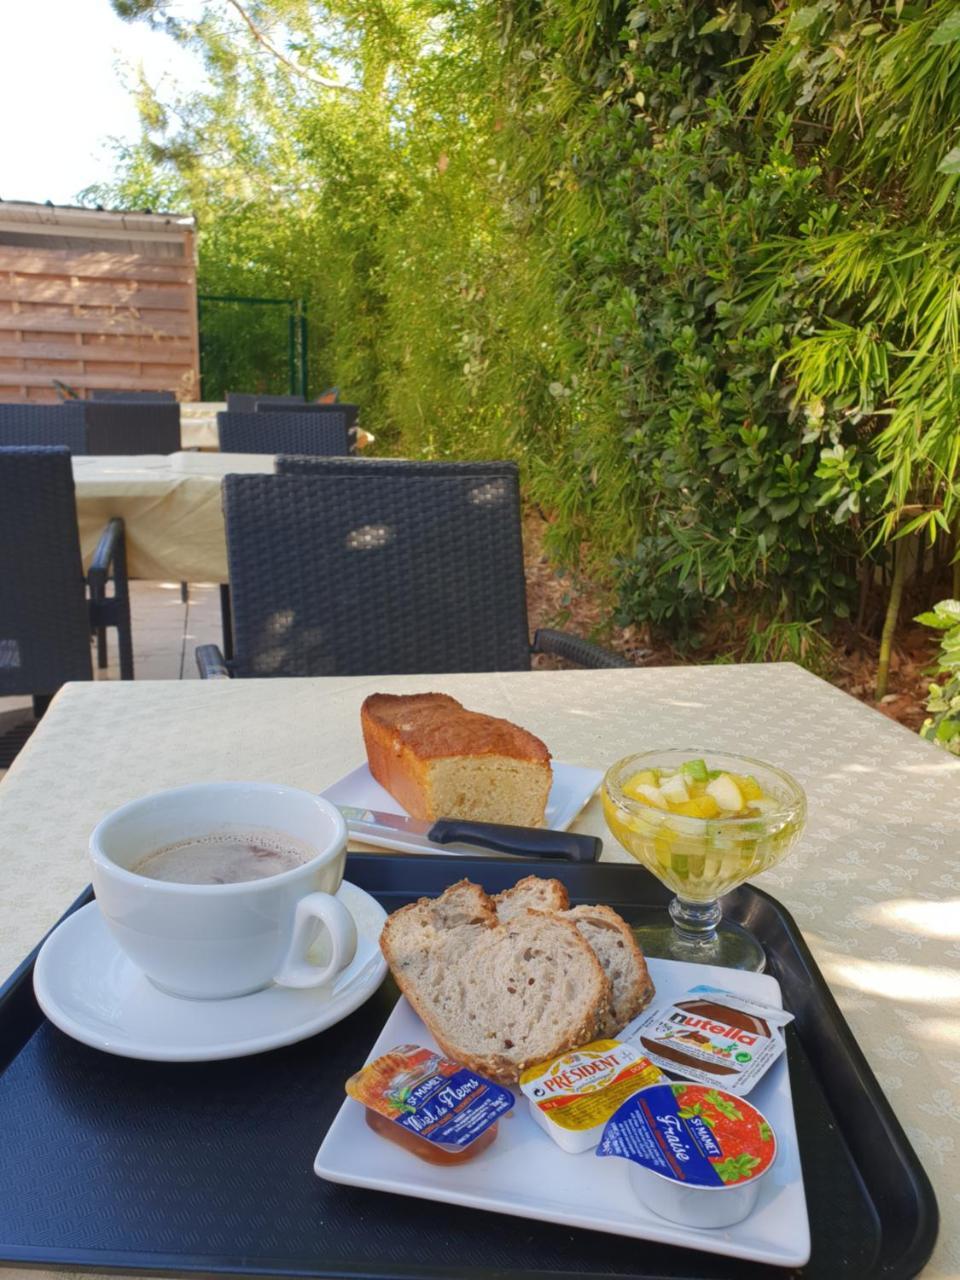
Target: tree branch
{"x": 295, "y": 67}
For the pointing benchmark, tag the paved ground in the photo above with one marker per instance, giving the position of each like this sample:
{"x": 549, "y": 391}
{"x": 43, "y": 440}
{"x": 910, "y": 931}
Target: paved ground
{"x": 165, "y": 633}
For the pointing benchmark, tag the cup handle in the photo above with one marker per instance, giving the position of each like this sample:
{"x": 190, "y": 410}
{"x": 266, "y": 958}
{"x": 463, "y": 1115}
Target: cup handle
{"x": 296, "y": 970}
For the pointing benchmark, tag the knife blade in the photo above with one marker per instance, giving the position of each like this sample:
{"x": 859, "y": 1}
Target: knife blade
{"x": 524, "y": 842}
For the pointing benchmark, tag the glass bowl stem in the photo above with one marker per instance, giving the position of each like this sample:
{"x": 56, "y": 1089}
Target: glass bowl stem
{"x": 695, "y": 922}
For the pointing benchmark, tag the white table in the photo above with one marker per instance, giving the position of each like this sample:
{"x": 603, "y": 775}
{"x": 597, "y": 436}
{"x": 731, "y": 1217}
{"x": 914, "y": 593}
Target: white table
{"x": 198, "y": 423}
{"x": 874, "y": 883}
{"x": 171, "y": 508}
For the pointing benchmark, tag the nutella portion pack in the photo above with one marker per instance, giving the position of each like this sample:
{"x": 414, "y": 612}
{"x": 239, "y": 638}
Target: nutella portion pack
{"x": 713, "y": 1037}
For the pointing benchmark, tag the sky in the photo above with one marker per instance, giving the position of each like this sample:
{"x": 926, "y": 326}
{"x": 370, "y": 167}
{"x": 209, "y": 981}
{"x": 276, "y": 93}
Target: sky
{"x": 62, "y": 96}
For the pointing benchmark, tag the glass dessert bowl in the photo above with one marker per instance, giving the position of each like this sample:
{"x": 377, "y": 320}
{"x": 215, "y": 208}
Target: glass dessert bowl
{"x": 702, "y": 823}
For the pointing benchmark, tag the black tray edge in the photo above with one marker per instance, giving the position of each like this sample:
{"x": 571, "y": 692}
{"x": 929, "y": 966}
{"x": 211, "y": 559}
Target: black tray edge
{"x": 859, "y": 1072}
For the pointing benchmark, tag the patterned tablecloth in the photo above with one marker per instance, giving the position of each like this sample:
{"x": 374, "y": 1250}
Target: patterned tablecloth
{"x": 874, "y": 883}
{"x": 170, "y": 506}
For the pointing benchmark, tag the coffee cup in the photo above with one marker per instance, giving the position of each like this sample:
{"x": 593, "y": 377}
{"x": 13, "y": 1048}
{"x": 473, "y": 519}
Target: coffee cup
{"x": 218, "y": 940}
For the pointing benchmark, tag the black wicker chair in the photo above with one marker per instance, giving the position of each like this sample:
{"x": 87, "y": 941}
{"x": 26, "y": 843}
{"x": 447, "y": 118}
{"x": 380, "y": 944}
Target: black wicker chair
{"x": 37, "y": 425}
{"x": 282, "y": 432}
{"x": 241, "y": 401}
{"x": 246, "y": 401}
{"x": 367, "y": 569}
{"x": 352, "y": 411}
{"x": 132, "y": 426}
{"x": 136, "y": 397}
{"x": 305, "y": 466}
{"x": 47, "y": 609}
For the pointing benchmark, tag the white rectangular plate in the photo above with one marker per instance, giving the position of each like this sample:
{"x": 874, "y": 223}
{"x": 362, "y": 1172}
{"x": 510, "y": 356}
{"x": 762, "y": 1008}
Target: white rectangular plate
{"x": 525, "y": 1174}
{"x": 572, "y": 787}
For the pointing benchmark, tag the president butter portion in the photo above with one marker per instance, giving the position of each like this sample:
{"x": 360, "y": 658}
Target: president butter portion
{"x": 713, "y": 1037}
{"x": 573, "y": 1096}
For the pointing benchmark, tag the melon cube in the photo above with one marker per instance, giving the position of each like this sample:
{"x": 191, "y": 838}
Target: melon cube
{"x": 674, "y": 789}
{"x": 694, "y": 771}
{"x": 645, "y": 778}
{"x": 726, "y": 793}
{"x": 649, "y": 795}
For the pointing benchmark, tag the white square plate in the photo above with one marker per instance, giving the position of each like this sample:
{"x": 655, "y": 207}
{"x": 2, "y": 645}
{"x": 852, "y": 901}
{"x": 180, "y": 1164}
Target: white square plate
{"x": 572, "y": 787}
{"x": 525, "y": 1174}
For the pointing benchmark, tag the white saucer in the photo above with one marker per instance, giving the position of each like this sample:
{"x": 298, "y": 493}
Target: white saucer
{"x": 88, "y": 988}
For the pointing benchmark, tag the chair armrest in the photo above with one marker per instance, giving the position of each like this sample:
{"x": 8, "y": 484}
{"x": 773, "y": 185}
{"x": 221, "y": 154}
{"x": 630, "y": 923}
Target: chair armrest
{"x": 211, "y": 663}
{"x": 583, "y": 652}
{"x": 111, "y": 542}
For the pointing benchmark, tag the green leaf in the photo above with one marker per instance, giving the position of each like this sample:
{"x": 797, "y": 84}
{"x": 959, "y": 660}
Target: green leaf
{"x": 804, "y": 18}
{"x": 948, "y": 30}
{"x": 950, "y": 162}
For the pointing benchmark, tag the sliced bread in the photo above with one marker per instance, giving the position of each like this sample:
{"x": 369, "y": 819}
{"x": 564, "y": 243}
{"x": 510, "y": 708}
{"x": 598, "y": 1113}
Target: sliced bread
{"x": 609, "y": 935}
{"x": 534, "y": 893}
{"x": 498, "y": 997}
{"x": 616, "y": 948}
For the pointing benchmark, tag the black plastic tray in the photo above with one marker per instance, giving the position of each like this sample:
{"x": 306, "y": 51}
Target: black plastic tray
{"x": 206, "y": 1169}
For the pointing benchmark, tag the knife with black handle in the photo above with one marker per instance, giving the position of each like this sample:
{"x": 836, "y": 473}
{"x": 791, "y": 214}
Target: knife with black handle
{"x": 523, "y": 842}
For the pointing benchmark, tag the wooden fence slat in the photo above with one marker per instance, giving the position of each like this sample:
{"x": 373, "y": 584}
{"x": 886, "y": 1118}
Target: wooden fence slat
{"x": 115, "y": 266}
{"x": 133, "y": 349}
{"x": 84, "y": 381}
{"x": 37, "y": 322}
{"x": 127, "y": 293}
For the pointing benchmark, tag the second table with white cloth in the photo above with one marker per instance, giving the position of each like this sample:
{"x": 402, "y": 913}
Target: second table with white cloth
{"x": 171, "y": 508}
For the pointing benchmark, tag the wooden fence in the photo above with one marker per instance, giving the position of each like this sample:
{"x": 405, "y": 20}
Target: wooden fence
{"x": 95, "y": 314}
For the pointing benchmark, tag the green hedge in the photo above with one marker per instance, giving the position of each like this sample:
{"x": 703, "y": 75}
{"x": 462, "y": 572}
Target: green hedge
{"x": 694, "y": 265}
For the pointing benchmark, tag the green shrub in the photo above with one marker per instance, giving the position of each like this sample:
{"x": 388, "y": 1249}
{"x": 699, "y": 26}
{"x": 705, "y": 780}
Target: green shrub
{"x": 943, "y": 700}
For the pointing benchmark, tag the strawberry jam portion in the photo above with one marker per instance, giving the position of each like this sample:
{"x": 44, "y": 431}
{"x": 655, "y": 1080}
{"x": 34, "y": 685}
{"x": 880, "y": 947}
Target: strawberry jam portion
{"x": 692, "y": 1134}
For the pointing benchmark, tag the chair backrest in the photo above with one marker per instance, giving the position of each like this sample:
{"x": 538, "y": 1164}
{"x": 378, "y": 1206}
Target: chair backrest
{"x": 132, "y": 427}
{"x": 38, "y": 425}
{"x": 352, "y": 411}
{"x": 44, "y": 615}
{"x": 151, "y": 397}
{"x": 319, "y": 434}
{"x": 294, "y": 466}
{"x": 376, "y": 572}
{"x": 241, "y": 401}
{"x": 247, "y": 401}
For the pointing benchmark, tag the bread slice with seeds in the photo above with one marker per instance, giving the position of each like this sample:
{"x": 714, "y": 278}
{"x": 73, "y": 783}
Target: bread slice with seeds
{"x": 608, "y": 934}
{"x": 616, "y": 948}
{"x": 498, "y": 997}
{"x": 534, "y": 893}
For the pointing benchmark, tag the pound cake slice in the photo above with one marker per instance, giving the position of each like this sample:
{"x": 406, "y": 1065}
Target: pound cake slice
{"x": 441, "y": 761}
{"x": 496, "y": 997}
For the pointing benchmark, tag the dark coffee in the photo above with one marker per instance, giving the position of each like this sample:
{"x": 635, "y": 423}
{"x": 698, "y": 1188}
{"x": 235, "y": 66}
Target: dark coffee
{"x": 225, "y": 857}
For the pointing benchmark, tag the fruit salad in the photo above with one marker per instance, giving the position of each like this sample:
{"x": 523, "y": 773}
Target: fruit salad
{"x": 694, "y": 791}
{"x": 702, "y": 824}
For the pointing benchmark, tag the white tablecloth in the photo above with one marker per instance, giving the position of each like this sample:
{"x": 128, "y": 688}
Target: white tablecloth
{"x": 170, "y": 506}
{"x": 874, "y": 883}
{"x": 198, "y": 424}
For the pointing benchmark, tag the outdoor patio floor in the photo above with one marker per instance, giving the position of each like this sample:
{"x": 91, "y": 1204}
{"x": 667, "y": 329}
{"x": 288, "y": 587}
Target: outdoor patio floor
{"x": 165, "y": 633}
